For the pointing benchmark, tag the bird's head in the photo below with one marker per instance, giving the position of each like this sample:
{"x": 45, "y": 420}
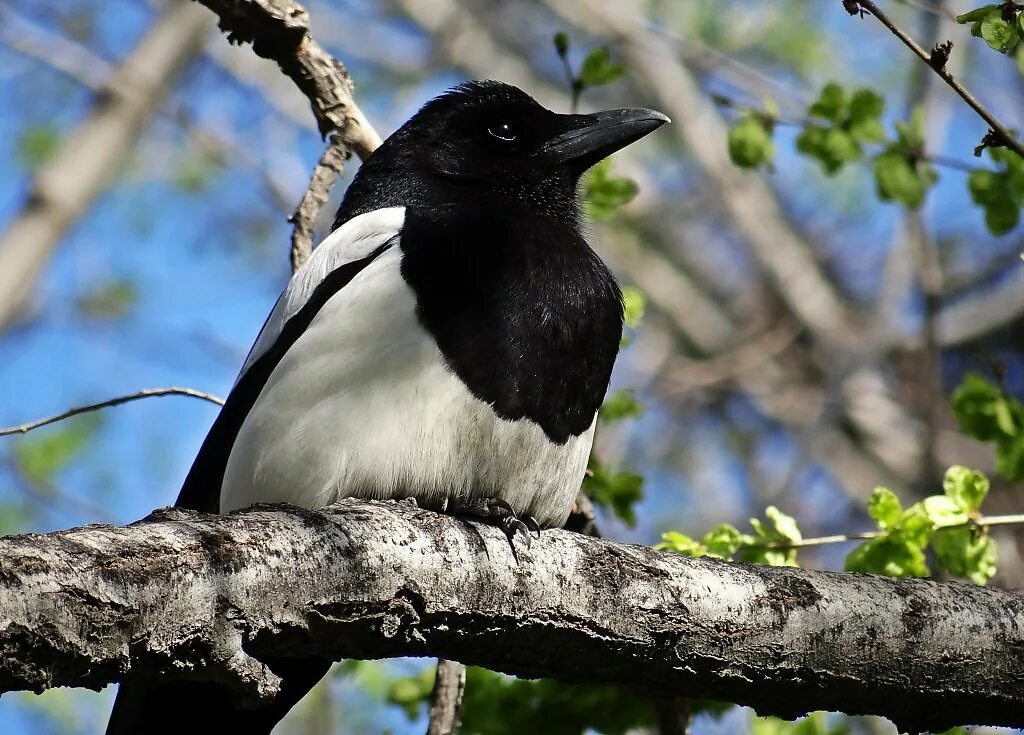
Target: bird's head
{"x": 489, "y": 143}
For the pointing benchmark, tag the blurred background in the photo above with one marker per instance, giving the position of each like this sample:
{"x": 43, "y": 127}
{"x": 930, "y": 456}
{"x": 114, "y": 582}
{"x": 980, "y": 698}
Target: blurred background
{"x": 800, "y": 339}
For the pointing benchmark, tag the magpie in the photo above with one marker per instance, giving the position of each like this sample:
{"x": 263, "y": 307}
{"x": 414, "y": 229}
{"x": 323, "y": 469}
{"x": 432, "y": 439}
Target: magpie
{"x": 450, "y": 340}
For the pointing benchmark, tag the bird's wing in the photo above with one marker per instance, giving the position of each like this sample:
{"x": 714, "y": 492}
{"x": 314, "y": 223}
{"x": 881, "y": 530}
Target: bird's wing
{"x": 341, "y": 255}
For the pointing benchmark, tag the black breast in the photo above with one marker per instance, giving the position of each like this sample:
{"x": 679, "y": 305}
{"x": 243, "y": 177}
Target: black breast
{"x": 522, "y": 309}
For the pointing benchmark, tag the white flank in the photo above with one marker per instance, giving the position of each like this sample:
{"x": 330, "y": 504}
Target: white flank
{"x": 363, "y": 404}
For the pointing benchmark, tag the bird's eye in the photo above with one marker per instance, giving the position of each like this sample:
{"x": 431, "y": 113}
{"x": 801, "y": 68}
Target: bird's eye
{"x": 502, "y": 131}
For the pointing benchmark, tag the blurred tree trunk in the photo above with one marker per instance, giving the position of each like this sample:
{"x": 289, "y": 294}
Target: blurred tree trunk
{"x": 65, "y": 187}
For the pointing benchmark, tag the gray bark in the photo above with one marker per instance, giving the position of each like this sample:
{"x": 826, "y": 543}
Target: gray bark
{"x": 279, "y": 30}
{"x": 184, "y": 595}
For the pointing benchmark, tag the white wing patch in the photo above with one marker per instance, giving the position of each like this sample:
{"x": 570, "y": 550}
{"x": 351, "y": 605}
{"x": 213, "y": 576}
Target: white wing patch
{"x": 355, "y": 239}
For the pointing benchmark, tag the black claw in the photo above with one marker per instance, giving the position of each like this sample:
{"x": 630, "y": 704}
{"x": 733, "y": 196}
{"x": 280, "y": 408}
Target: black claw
{"x": 500, "y": 511}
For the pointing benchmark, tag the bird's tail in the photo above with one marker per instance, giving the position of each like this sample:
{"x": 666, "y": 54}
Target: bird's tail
{"x": 202, "y": 708}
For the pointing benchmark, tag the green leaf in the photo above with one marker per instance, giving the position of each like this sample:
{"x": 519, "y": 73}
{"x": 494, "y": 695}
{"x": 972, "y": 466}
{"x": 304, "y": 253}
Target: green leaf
{"x": 966, "y": 487}
{"x": 723, "y": 540}
{"x": 899, "y": 179}
{"x": 750, "y": 142}
{"x": 109, "y": 300}
{"x": 985, "y": 413}
{"x": 915, "y": 527}
{"x": 634, "y": 303}
{"x": 943, "y": 510}
{"x": 816, "y": 723}
{"x": 866, "y": 107}
{"x": 598, "y": 68}
{"x": 41, "y": 456}
{"x": 885, "y": 508}
{"x": 974, "y": 405}
{"x": 1001, "y": 218}
{"x": 978, "y": 14}
{"x": 410, "y": 692}
{"x": 986, "y": 187}
{"x": 758, "y": 550}
{"x": 680, "y": 543}
{"x": 618, "y": 406}
{"x": 966, "y": 552}
{"x": 1010, "y": 459}
{"x": 496, "y": 704}
{"x": 832, "y": 147}
{"x": 831, "y": 103}
{"x": 891, "y": 556}
{"x": 36, "y": 145}
{"x": 994, "y": 190}
{"x": 604, "y": 193}
{"x": 617, "y": 491}
{"x": 999, "y": 34}
{"x": 783, "y": 525}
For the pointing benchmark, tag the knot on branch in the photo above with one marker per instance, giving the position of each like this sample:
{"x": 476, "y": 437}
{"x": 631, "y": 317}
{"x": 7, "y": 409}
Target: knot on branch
{"x": 940, "y": 55}
{"x": 273, "y": 27}
{"x": 403, "y": 615}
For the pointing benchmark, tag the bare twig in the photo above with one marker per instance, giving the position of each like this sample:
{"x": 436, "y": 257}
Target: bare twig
{"x": 1016, "y": 519}
{"x": 147, "y": 393}
{"x": 1002, "y": 134}
{"x": 327, "y": 170}
{"x": 446, "y": 699}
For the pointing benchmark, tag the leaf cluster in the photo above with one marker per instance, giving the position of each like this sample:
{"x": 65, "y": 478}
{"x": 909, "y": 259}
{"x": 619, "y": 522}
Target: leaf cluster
{"x": 999, "y": 192}
{"x": 843, "y": 126}
{"x": 987, "y": 414}
{"x": 1000, "y": 26}
{"x": 943, "y": 522}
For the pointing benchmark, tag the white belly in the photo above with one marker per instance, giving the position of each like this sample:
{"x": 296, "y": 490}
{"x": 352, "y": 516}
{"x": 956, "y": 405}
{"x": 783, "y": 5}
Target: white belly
{"x": 364, "y": 405}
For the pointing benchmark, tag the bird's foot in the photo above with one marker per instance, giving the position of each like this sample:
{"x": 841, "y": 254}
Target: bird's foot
{"x": 503, "y": 516}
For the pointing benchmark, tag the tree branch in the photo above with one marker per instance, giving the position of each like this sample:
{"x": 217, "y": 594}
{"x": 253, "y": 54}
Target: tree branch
{"x": 193, "y": 596}
{"x": 446, "y": 699}
{"x": 327, "y": 170}
{"x": 279, "y": 30}
{"x": 146, "y": 393}
{"x": 1001, "y": 133}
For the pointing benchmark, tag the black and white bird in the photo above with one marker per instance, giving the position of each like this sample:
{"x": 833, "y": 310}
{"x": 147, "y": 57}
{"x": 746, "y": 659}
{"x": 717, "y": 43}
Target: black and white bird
{"x": 451, "y": 340}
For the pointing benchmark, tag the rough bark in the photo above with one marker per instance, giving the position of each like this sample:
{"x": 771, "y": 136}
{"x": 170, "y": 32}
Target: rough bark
{"x": 64, "y": 188}
{"x": 207, "y": 597}
{"x": 279, "y": 30}
{"x": 446, "y": 699}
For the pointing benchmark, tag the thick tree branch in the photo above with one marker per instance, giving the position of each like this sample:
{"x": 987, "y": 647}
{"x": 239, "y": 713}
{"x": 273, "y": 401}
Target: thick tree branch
{"x": 207, "y": 597}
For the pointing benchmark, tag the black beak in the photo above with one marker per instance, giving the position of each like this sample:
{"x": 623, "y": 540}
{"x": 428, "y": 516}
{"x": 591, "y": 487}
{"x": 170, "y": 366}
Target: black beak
{"x": 597, "y": 136}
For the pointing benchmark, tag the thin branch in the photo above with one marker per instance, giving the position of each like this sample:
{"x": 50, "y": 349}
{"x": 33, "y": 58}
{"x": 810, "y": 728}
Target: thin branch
{"x": 147, "y": 393}
{"x": 327, "y": 171}
{"x": 1003, "y": 135}
{"x": 1015, "y": 519}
